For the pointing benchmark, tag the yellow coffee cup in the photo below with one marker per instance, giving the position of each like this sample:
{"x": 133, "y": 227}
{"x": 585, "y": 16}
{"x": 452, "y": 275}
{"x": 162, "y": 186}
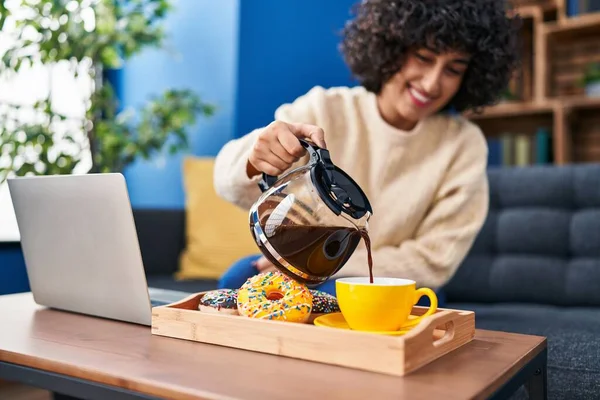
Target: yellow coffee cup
{"x": 384, "y": 305}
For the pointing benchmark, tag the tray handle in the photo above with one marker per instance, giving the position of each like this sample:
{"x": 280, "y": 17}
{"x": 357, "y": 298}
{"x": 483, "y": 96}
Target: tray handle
{"x": 426, "y": 342}
{"x": 434, "y": 331}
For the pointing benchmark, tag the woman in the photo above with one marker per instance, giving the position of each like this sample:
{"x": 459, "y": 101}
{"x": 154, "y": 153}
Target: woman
{"x": 422, "y": 167}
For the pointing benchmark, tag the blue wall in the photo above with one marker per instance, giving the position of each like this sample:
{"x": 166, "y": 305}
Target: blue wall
{"x": 248, "y": 57}
{"x": 204, "y": 35}
{"x": 286, "y": 48}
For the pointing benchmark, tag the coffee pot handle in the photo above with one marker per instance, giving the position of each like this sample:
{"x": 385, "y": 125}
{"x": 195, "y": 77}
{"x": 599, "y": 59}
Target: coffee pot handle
{"x": 316, "y": 154}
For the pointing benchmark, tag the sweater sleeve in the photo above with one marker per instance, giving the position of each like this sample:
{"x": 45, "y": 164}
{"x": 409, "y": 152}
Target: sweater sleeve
{"x": 447, "y": 232}
{"x": 231, "y": 181}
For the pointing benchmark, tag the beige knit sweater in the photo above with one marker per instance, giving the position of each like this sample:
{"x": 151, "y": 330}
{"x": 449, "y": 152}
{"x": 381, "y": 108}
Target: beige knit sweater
{"x": 428, "y": 187}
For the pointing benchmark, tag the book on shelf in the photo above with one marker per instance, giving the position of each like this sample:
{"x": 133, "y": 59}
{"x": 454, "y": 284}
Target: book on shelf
{"x": 520, "y": 149}
{"x": 578, "y": 7}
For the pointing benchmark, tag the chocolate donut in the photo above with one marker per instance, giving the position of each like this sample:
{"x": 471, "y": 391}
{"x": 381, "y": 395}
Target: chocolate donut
{"x": 220, "y": 301}
{"x": 323, "y": 303}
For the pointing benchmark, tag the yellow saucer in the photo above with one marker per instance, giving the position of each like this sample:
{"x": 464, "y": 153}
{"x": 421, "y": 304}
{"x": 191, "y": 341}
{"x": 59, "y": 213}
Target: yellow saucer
{"x": 336, "y": 320}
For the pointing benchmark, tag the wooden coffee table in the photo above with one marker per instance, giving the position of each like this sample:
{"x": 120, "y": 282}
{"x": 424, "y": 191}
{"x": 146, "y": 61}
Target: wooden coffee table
{"x": 89, "y": 357}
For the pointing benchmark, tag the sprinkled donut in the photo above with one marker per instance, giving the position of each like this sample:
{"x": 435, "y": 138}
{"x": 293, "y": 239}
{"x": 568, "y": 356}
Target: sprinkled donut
{"x": 220, "y": 301}
{"x": 273, "y": 295}
{"x": 323, "y": 303}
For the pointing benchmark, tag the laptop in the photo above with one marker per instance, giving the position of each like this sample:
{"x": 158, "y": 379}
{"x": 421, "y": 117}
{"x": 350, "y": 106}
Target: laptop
{"x": 81, "y": 248}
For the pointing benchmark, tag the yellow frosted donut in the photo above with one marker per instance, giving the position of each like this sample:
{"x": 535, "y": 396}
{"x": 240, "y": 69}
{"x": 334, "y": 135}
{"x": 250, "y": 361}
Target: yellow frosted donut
{"x": 273, "y": 295}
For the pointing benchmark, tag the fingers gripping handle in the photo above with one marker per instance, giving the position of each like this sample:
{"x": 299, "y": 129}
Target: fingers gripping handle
{"x": 315, "y": 152}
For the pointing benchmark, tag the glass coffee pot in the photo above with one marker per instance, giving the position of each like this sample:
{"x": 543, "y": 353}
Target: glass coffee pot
{"x": 309, "y": 221}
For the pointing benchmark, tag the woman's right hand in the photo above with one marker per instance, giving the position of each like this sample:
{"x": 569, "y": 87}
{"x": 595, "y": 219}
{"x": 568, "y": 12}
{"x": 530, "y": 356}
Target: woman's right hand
{"x": 277, "y": 147}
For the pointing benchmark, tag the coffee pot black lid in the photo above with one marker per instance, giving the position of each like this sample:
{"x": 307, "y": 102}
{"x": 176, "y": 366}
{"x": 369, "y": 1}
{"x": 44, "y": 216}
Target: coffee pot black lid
{"x": 335, "y": 187}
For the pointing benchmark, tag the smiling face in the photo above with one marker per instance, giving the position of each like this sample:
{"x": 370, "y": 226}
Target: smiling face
{"x": 425, "y": 84}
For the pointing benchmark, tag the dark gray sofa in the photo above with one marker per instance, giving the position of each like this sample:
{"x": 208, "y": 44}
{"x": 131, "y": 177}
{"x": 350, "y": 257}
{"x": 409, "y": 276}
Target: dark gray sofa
{"x": 534, "y": 268}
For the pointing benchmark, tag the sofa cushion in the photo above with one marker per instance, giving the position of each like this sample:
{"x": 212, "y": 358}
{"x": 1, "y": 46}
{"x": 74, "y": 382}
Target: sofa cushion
{"x": 161, "y": 238}
{"x": 540, "y": 242}
{"x": 217, "y": 232}
{"x": 573, "y": 335}
{"x": 13, "y": 274}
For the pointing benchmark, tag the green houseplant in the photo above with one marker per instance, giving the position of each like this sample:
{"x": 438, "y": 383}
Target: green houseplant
{"x": 92, "y": 36}
{"x": 591, "y": 79}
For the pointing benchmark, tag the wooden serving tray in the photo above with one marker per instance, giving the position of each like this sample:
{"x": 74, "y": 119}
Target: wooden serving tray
{"x": 435, "y": 336}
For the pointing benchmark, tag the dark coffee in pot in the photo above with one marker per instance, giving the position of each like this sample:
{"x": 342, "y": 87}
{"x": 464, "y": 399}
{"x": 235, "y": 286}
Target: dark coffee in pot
{"x": 314, "y": 250}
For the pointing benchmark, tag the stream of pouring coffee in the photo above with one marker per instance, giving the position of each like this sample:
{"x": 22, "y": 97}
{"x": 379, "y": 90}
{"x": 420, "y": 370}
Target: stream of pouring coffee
{"x": 367, "y": 239}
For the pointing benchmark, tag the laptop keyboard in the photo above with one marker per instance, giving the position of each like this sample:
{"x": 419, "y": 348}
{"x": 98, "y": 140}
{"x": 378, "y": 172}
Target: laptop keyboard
{"x": 156, "y": 303}
{"x": 161, "y": 297}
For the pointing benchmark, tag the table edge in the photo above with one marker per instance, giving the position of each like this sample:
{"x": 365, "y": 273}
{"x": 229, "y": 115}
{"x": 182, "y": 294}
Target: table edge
{"x": 143, "y": 386}
{"x": 155, "y": 388}
{"x": 158, "y": 388}
{"x": 513, "y": 370}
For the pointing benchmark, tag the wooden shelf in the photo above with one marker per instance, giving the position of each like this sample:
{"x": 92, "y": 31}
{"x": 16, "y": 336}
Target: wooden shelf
{"x": 525, "y": 108}
{"x": 573, "y": 28}
{"x": 531, "y": 12}
{"x": 552, "y": 101}
{"x": 568, "y": 47}
{"x": 514, "y": 109}
{"x": 582, "y": 122}
{"x": 528, "y": 10}
{"x": 581, "y": 103}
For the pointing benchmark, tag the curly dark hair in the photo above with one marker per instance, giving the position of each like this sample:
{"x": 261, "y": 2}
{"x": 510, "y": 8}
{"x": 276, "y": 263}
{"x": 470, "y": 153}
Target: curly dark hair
{"x": 376, "y": 41}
